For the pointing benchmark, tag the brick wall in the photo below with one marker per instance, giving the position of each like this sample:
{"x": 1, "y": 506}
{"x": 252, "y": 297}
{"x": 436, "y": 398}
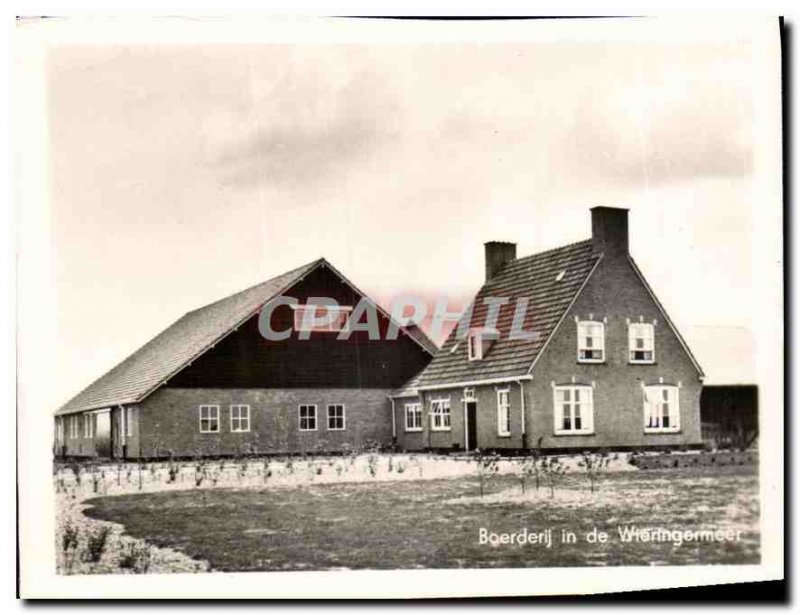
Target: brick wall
{"x": 486, "y": 420}
{"x": 169, "y": 419}
{"x": 614, "y": 292}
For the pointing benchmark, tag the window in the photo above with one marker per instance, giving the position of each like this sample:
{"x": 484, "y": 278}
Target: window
{"x": 413, "y": 417}
{"x": 88, "y": 426}
{"x": 641, "y": 341}
{"x": 335, "y": 417}
{"x": 209, "y": 419}
{"x": 591, "y": 342}
{"x": 73, "y": 427}
{"x": 574, "y": 411}
{"x": 440, "y": 414}
{"x": 59, "y": 430}
{"x": 240, "y": 418}
{"x": 308, "y": 417}
{"x": 321, "y": 318}
{"x": 474, "y": 347}
{"x": 503, "y": 415}
{"x": 661, "y": 413}
{"x": 129, "y": 421}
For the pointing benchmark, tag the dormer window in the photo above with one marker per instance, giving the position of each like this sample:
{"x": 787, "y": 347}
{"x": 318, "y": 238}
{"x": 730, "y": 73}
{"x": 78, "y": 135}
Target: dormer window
{"x": 321, "y": 318}
{"x": 591, "y": 342}
{"x": 474, "y": 347}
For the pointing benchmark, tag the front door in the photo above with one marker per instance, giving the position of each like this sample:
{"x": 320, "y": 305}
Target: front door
{"x": 472, "y": 431}
{"x": 102, "y": 436}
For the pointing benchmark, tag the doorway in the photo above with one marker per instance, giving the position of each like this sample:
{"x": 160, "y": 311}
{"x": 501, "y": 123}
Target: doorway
{"x": 102, "y": 436}
{"x": 472, "y": 428}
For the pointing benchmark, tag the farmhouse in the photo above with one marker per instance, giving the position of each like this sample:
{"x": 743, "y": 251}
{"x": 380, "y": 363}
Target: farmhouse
{"x": 212, "y": 384}
{"x": 605, "y": 366}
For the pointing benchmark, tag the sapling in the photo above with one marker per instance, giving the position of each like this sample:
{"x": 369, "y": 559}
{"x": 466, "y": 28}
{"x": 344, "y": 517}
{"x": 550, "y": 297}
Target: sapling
{"x": 529, "y": 466}
{"x": 487, "y": 465}
{"x": 593, "y": 465}
{"x": 553, "y": 471}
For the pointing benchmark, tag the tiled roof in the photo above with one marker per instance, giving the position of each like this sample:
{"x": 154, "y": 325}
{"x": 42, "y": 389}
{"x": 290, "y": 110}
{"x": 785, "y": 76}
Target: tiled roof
{"x": 409, "y": 389}
{"x": 421, "y": 337}
{"x": 187, "y": 338}
{"x": 178, "y": 344}
{"x": 533, "y": 277}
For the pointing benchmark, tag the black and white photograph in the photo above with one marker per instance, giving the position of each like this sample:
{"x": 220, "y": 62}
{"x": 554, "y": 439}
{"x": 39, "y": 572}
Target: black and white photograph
{"x": 305, "y": 301}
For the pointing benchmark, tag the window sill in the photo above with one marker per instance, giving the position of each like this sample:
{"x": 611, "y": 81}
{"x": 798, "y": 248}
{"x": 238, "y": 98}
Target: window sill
{"x": 657, "y": 432}
{"x": 240, "y": 431}
{"x": 504, "y": 435}
{"x": 591, "y": 361}
{"x": 414, "y": 430}
{"x": 642, "y": 363}
{"x": 307, "y": 430}
{"x": 573, "y": 433}
{"x": 337, "y": 428}
{"x": 436, "y": 429}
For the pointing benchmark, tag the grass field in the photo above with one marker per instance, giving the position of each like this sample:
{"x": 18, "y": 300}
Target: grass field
{"x": 436, "y": 523}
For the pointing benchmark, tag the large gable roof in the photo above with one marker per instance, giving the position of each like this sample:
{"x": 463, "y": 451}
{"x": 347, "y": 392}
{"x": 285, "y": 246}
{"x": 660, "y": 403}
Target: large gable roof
{"x": 537, "y": 278}
{"x": 189, "y": 337}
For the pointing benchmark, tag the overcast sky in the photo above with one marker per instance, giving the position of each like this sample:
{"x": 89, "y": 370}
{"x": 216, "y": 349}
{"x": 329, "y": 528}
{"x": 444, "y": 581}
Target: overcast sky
{"x": 181, "y": 174}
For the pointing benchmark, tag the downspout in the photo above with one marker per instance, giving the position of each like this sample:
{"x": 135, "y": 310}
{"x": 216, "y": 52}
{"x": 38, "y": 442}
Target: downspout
{"x": 522, "y": 413}
{"x": 123, "y": 432}
{"x": 394, "y": 422}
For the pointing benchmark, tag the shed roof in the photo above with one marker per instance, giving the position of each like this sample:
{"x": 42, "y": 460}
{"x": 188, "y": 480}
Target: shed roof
{"x": 189, "y": 337}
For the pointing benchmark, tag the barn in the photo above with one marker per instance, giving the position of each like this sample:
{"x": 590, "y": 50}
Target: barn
{"x": 213, "y": 384}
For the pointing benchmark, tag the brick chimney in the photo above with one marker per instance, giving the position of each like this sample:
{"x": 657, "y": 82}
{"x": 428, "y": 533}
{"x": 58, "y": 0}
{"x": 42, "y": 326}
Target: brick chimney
{"x": 610, "y": 230}
{"x": 498, "y": 254}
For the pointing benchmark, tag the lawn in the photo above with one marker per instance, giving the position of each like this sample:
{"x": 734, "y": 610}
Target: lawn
{"x": 436, "y": 523}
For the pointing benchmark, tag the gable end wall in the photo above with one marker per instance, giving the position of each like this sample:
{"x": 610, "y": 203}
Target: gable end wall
{"x": 614, "y": 292}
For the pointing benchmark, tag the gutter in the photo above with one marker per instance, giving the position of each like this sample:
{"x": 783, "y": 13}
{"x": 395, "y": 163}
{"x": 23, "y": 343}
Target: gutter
{"x": 470, "y": 383}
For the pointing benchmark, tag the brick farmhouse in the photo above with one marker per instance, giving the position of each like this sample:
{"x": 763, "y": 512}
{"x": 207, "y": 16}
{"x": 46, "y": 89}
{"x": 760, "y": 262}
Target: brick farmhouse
{"x": 605, "y": 368}
{"x": 565, "y": 349}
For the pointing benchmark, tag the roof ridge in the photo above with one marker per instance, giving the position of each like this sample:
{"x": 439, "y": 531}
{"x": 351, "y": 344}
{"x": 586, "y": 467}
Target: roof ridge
{"x": 549, "y": 250}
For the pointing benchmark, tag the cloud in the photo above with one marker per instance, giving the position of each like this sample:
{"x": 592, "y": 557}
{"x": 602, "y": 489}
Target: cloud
{"x": 305, "y": 130}
{"x": 649, "y": 134}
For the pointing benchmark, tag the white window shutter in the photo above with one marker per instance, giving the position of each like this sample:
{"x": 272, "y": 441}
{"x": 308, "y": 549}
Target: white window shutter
{"x": 558, "y": 412}
{"x": 648, "y": 407}
{"x": 674, "y": 410}
{"x": 587, "y": 410}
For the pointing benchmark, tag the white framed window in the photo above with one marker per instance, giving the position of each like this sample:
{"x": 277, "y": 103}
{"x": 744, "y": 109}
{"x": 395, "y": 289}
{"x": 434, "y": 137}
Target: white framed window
{"x": 322, "y": 318}
{"x": 440, "y": 414}
{"x": 73, "y": 427}
{"x": 59, "y": 430}
{"x": 307, "y": 414}
{"x": 661, "y": 410}
{"x": 240, "y": 418}
{"x": 336, "y": 417}
{"x": 413, "y": 417}
{"x": 209, "y": 418}
{"x": 503, "y": 413}
{"x": 129, "y": 421}
{"x": 474, "y": 347}
{"x": 641, "y": 342}
{"x": 573, "y": 409}
{"x": 591, "y": 342}
{"x": 88, "y": 426}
